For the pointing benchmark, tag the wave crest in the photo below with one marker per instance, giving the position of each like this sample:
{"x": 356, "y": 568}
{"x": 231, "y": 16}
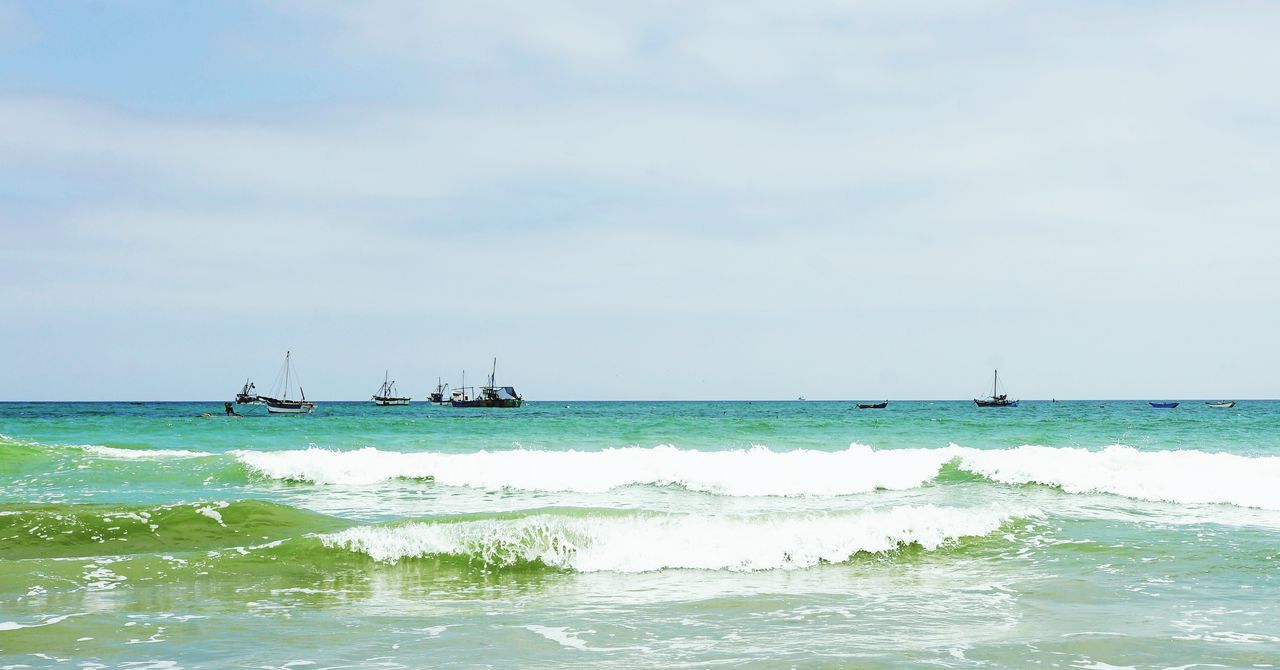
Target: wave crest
{"x": 757, "y": 471}
{"x": 1182, "y": 476}
{"x": 647, "y": 542}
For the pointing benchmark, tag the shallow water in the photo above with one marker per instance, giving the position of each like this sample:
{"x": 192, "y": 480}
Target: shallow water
{"x": 1071, "y": 534}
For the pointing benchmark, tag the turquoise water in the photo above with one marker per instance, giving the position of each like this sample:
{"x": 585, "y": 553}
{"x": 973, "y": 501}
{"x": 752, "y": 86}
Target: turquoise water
{"x": 770, "y": 534}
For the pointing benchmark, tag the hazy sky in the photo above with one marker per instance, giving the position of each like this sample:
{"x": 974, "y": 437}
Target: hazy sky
{"x": 641, "y": 199}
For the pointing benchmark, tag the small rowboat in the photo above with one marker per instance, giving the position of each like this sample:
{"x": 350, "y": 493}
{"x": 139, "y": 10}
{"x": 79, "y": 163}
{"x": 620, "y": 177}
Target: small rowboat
{"x": 1163, "y": 405}
{"x": 876, "y": 405}
{"x": 1222, "y": 404}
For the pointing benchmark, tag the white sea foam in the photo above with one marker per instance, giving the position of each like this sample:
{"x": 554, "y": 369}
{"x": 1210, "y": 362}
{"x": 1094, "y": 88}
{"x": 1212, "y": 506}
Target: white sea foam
{"x": 46, "y": 621}
{"x": 141, "y": 454}
{"x": 1183, "y": 476}
{"x": 646, "y": 542}
{"x": 1166, "y": 476}
{"x": 743, "y": 472}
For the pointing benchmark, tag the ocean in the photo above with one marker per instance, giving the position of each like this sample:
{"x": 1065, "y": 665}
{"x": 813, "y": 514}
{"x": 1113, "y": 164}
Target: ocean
{"x": 1083, "y": 534}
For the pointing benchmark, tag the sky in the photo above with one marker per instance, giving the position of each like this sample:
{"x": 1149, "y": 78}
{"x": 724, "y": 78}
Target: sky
{"x": 640, "y": 200}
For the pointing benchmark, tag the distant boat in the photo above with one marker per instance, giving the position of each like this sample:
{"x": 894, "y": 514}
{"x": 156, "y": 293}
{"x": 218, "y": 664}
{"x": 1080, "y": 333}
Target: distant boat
{"x": 1222, "y": 404}
{"x": 386, "y": 394}
{"x": 878, "y": 405}
{"x": 283, "y": 405}
{"x": 437, "y": 396}
{"x": 1163, "y": 405}
{"x": 801, "y": 399}
{"x": 490, "y": 396}
{"x": 248, "y": 394}
{"x": 996, "y": 399}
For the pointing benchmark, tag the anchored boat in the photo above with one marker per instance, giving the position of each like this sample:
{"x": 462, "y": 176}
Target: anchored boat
{"x": 283, "y": 405}
{"x": 996, "y": 399}
{"x": 490, "y": 396}
{"x": 877, "y": 405}
{"x": 1222, "y": 404}
{"x": 386, "y": 394}
{"x": 248, "y": 394}
{"x": 1163, "y": 405}
{"x": 437, "y": 396}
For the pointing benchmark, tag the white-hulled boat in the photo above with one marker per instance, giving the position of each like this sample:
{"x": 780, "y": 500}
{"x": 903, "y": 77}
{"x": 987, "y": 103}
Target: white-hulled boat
{"x": 283, "y": 405}
{"x": 386, "y": 394}
{"x": 1222, "y": 404}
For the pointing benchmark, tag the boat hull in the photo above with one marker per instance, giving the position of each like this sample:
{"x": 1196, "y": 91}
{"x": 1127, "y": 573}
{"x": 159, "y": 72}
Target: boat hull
{"x": 1163, "y": 405}
{"x": 1222, "y": 405}
{"x": 995, "y": 403}
{"x": 390, "y": 402}
{"x": 487, "y": 402}
{"x": 875, "y": 405}
{"x": 275, "y": 406}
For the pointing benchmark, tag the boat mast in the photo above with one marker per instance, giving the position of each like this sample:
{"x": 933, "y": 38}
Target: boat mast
{"x": 286, "y": 375}
{"x": 995, "y": 382}
{"x": 494, "y": 373}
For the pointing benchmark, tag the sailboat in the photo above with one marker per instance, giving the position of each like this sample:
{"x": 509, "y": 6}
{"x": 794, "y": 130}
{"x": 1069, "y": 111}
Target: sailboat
{"x": 283, "y": 405}
{"x": 386, "y": 394}
{"x": 490, "y": 396}
{"x": 248, "y": 394}
{"x": 997, "y": 399}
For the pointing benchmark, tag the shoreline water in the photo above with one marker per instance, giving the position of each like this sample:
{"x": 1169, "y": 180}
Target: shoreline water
{"x": 628, "y": 534}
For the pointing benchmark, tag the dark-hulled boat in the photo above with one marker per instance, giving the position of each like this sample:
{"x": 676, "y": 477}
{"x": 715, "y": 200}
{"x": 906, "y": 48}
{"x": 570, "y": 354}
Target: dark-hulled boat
{"x": 996, "y": 399}
{"x": 248, "y": 394}
{"x": 1163, "y": 405}
{"x": 874, "y": 405}
{"x": 489, "y": 396}
{"x": 437, "y": 396}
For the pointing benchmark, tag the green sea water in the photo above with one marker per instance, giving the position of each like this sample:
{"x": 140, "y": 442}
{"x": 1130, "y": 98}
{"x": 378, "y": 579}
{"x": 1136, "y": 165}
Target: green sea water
{"x": 1078, "y": 534}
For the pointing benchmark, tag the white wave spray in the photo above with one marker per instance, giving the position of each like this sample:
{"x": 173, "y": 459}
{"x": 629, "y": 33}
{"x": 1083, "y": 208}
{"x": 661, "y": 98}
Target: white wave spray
{"x": 647, "y": 542}
{"x": 1182, "y": 476}
{"x": 745, "y": 472}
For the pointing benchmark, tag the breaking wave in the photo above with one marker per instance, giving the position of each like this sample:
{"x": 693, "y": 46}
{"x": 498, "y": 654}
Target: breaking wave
{"x": 141, "y": 454}
{"x": 751, "y": 472}
{"x": 1183, "y": 476}
{"x": 648, "y": 542}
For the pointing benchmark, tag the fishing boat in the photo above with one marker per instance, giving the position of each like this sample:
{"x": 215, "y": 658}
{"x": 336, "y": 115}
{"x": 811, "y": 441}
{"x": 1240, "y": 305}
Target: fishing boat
{"x": 1222, "y": 404}
{"x": 876, "y": 405}
{"x": 491, "y": 395}
{"x": 283, "y": 405}
{"x": 386, "y": 394}
{"x": 996, "y": 399}
{"x": 1163, "y": 405}
{"x": 248, "y": 394}
{"x": 437, "y": 396}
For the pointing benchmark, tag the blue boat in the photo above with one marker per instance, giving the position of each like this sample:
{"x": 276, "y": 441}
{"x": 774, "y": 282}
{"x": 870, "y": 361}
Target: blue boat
{"x": 1163, "y": 405}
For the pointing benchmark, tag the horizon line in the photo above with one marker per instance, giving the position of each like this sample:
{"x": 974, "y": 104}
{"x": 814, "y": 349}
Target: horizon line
{"x": 779, "y": 400}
